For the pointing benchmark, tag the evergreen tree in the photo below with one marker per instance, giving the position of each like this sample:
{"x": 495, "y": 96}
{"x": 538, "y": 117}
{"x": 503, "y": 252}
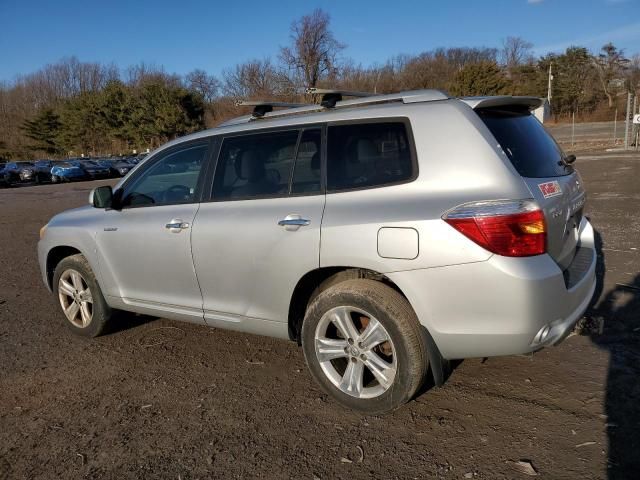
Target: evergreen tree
{"x": 482, "y": 78}
{"x": 44, "y": 130}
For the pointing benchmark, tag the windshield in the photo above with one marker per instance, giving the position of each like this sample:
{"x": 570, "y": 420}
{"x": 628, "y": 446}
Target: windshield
{"x": 532, "y": 151}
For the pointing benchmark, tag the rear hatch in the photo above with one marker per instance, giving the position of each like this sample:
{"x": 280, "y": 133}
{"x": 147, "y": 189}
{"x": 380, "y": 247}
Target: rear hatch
{"x": 555, "y": 185}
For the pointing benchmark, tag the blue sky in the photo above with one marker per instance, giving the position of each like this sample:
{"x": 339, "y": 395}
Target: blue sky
{"x": 188, "y": 34}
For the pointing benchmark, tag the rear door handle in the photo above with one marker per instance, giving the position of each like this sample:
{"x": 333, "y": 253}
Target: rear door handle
{"x": 176, "y": 225}
{"x": 293, "y": 222}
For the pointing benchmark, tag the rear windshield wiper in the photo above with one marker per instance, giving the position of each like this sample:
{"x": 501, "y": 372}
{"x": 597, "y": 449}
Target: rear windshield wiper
{"x": 568, "y": 160}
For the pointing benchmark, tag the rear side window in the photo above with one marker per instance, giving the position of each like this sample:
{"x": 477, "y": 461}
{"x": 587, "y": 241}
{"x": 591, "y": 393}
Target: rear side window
{"x": 306, "y": 173}
{"x": 532, "y": 151}
{"x": 368, "y": 155}
{"x": 254, "y": 166}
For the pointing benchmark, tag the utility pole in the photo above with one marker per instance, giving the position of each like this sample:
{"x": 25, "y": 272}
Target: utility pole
{"x": 549, "y": 86}
{"x": 626, "y": 123}
{"x": 634, "y": 127}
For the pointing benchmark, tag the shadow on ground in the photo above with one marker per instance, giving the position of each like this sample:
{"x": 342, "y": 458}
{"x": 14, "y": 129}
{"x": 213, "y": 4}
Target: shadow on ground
{"x": 618, "y": 310}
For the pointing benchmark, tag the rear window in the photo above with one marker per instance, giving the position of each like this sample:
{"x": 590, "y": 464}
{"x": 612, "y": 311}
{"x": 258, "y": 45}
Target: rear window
{"x": 368, "y": 155}
{"x": 532, "y": 151}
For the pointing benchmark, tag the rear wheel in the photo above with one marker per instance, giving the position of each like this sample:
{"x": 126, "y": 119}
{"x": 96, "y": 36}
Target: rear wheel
{"x": 80, "y": 297}
{"x": 363, "y": 345}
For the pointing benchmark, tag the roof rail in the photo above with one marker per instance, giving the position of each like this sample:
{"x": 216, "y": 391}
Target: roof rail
{"x": 331, "y": 97}
{"x": 261, "y": 107}
{"x": 413, "y": 96}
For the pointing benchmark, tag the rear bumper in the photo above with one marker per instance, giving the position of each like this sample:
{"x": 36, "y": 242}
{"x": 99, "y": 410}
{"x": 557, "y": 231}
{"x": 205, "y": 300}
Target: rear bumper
{"x": 502, "y": 306}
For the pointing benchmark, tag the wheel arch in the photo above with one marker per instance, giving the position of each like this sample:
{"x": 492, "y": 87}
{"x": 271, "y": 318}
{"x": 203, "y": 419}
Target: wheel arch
{"x": 55, "y": 255}
{"x": 314, "y": 281}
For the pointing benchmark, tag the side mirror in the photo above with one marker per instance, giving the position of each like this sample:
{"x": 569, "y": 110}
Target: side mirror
{"x": 101, "y": 197}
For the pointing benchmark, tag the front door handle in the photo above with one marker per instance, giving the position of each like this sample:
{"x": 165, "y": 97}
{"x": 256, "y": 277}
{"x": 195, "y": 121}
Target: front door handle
{"x": 293, "y": 222}
{"x": 176, "y": 225}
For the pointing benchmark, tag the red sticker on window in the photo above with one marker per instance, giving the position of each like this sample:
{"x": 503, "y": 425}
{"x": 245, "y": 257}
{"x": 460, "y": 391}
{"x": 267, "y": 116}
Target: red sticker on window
{"x": 550, "y": 189}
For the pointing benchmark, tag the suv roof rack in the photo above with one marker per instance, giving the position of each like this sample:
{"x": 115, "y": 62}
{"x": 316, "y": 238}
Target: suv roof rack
{"x": 331, "y": 97}
{"x": 412, "y": 96}
{"x": 261, "y": 107}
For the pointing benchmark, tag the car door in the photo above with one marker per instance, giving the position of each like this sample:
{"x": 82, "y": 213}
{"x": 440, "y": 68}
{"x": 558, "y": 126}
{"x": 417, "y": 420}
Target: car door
{"x": 260, "y": 233}
{"x": 145, "y": 245}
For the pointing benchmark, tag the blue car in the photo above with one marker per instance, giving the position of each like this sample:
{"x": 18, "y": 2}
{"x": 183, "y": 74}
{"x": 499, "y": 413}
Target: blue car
{"x": 92, "y": 169}
{"x": 65, "y": 171}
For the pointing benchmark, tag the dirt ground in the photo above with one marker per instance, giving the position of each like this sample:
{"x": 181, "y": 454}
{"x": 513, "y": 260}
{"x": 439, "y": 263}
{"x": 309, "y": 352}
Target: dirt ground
{"x": 160, "y": 399}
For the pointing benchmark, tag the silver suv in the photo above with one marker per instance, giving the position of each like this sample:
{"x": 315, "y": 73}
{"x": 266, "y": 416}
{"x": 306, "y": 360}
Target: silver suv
{"x": 386, "y": 234}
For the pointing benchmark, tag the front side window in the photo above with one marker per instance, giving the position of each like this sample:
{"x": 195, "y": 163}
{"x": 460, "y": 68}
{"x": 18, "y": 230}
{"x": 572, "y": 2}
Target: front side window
{"x": 170, "y": 180}
{"x": 253, "y": 166}
{"x": 368, "y": 155}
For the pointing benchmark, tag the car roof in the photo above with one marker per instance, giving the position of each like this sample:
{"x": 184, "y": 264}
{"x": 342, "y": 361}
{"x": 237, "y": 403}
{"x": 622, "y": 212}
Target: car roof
{"x": 378, "y": 106}
{"x": 348, "y": 110}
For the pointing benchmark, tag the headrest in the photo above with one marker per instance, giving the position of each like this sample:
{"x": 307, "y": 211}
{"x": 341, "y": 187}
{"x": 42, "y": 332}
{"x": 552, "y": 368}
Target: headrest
{"x": 366, "y": 149}
{"x": 315, "y": 161}
{"x": 249, "y": 166}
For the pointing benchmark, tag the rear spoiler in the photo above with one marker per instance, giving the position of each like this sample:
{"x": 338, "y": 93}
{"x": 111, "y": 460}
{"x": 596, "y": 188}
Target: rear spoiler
{"x": 478, "y": 103}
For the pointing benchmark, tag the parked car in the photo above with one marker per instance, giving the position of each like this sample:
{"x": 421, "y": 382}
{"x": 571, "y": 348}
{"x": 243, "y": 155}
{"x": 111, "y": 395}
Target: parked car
{"x": 93, "y": 170}
{"x": 108, "y": 163}
{"x": 18, "y": 172}
{"x": 67, "y": 171}
{"x": 118, "y": 167}
{"x": 124, "y": 166}
{"x": 138, "y": 158}
{"x": 43, "y": 170}
{"x": 451, "y": 228}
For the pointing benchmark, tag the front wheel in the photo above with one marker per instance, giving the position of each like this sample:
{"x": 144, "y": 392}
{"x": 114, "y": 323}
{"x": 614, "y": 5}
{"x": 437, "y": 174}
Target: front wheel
{"x": 55, "y": 179}
{"x": 80, "y": 298}
{"x": 363, "y": 345}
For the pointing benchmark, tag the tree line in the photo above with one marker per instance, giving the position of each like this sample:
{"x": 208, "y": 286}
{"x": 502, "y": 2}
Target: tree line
{"x": 73, "y": 107}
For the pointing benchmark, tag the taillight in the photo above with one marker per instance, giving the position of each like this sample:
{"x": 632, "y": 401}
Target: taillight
{"x": 513, "y": 228}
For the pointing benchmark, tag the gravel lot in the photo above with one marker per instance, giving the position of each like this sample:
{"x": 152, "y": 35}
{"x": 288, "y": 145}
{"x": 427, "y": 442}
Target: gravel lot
{"x": 159, "y": 399}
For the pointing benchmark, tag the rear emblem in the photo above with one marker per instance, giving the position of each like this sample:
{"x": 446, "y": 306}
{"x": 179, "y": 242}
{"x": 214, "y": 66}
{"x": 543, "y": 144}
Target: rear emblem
{"x": 550, "y": 189}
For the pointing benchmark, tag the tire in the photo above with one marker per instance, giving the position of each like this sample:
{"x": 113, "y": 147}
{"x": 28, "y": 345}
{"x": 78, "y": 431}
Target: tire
{"x": 92, "y": 314}
{"x": 368, "y": 305}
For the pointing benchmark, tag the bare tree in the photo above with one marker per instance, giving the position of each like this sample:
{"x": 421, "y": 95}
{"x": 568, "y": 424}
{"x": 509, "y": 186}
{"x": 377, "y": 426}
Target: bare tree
{"x": 206, "y": 85}
{"x": 136, "y": 75}
{"x": 515, "y": 51}
{"x": 254, "y": 79}
{"x": 314, "y": 50}
{"x": 633, "y": 74}
{"x": 610, "y": 64}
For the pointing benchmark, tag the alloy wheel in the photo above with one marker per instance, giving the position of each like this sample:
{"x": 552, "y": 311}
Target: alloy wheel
{"x": 355, "y": 352}
{"x": 75, "y": 298}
